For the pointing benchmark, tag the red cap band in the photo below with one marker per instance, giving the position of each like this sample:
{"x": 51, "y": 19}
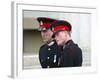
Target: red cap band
{"x": 46, "y": 24}
{"x": 60, "y": 27}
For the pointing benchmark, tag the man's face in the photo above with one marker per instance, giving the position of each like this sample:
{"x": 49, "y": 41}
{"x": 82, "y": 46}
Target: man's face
{"x": 46, "y": 35}
{"x": 60, "y": 37}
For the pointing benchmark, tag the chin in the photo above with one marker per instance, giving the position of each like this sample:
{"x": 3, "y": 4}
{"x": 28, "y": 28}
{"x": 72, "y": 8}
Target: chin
{"x": 59, "y": 43}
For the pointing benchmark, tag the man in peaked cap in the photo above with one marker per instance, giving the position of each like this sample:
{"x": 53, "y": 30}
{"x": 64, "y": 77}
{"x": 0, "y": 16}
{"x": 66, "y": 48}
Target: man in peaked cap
{"x": 49, "y": 53}
{"x": 71, "y": 53}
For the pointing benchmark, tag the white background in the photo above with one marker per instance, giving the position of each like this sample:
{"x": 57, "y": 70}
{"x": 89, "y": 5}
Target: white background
{"x": 5, "y": 39}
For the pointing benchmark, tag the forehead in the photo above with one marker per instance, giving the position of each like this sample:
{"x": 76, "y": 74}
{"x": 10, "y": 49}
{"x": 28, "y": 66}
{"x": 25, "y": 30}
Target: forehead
{"x": 61, "y": 33}
{"x": 47, "y": 30}
{"x": 58, "y": 33}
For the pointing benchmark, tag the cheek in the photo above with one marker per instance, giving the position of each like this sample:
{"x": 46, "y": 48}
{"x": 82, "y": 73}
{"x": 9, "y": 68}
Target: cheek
{"x": 58, "y": 38}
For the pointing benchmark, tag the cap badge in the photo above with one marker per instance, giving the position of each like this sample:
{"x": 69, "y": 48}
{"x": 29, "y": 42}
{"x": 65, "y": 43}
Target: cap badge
{"x": 41, "y": 23}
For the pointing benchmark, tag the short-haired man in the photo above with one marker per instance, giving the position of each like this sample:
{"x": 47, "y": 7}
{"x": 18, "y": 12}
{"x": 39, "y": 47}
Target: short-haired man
{"x": 71, "y": 53}
{"x": 49, "y": 53}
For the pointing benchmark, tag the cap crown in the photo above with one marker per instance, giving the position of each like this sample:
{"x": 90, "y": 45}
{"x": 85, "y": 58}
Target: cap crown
{"x": 61, "y": 25}
{"x": 45, "y": 22}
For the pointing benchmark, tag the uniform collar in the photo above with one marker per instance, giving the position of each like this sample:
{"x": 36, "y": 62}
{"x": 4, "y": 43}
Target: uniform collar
{"x": 51, "y": 43}
{"x": 67, "y": 43}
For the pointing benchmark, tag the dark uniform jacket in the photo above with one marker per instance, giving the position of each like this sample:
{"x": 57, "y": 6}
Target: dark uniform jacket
{"x": 49, "y": 55}
{"x": 71, "y": 55}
